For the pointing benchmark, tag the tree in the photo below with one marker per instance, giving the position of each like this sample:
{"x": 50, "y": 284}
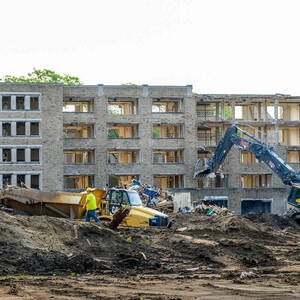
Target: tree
{"x": 44, "y": 75}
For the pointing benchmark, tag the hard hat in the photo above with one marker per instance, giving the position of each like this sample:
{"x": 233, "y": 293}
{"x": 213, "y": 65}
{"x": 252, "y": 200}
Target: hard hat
{"x": 89, "y": 189}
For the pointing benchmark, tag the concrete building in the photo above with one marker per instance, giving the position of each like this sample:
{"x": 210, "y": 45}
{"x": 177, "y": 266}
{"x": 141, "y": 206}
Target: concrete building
{"x": 57, "y": 137}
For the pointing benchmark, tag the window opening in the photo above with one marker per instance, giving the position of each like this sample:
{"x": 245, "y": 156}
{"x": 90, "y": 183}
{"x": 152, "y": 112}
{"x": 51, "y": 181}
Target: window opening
{"x": 20, "y": 128}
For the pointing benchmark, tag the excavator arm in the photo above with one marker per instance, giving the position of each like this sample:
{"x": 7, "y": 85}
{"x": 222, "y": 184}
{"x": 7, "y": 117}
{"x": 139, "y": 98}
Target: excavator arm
{"x": 262, "y": 152}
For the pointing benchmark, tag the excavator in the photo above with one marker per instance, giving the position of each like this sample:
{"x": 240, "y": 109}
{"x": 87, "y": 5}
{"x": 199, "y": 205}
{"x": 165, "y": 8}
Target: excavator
{"x": 264, "y": 153}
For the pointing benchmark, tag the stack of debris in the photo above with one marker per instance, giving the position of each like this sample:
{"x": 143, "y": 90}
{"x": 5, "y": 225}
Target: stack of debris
{"x": 152, "y": 196}
{"x": 204, "y": 209}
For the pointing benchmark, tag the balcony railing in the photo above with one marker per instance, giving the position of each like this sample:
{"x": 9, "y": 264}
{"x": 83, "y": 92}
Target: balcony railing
{"x": 207, "y": 139}
{"x": 206, "y": 115}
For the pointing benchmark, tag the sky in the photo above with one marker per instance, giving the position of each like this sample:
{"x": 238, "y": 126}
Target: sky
{"x": 218, "y": 46}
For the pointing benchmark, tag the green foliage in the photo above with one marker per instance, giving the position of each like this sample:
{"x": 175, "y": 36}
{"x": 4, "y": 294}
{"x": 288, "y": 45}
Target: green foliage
{"x": 45, "y": 76}
{"x": 129, "y": 240}
{"x": 239, "y": 133}
{"x": 228, "y": 112}
{"x": 128, "y": 83}
{"x": 156, "y": 132}
{"x": 113, "y": 133}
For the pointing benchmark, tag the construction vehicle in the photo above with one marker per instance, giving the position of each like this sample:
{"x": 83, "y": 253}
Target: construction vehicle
{"x": 70, "y": 205}
{"x": 262, "y": 152}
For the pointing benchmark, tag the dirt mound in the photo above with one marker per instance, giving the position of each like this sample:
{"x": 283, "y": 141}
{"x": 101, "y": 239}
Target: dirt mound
{"x": 275, "y": 221}
{"x": 47, "y": 245}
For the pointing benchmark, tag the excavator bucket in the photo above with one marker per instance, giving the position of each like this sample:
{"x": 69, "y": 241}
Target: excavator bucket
{"x": 202, "y": 168}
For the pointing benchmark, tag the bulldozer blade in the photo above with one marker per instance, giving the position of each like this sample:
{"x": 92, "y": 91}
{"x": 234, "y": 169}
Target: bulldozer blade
{"x": 118, "y": 217}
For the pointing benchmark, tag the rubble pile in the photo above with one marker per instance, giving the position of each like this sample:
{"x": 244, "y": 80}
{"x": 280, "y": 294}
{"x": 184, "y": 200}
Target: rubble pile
{"x": 46, "y": 245}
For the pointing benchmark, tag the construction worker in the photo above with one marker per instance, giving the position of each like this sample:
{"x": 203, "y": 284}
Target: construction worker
{"x": 90, "y": 206}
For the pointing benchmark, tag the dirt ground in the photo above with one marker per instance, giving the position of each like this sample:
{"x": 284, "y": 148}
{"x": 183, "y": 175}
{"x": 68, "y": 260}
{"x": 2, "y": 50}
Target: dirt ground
{"x": 200, "y": 257}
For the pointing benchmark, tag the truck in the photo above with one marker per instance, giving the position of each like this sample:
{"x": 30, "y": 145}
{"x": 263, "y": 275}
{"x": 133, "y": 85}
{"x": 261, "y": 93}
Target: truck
{"x": 264, "y": 153}
{"x": 70, "y": 205}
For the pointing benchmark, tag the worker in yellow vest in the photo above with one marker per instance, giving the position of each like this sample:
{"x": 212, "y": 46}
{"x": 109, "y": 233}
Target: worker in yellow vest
{"x": 91, "y": 206}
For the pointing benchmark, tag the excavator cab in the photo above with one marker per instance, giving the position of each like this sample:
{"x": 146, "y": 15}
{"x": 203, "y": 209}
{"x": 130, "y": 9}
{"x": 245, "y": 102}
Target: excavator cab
{"x": 294, "y": 196}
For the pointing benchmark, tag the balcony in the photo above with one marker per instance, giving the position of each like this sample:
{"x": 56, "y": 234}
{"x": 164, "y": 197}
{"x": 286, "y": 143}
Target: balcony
{"x": 81, "y": 131}
{"x": 123, "y": 157}
{"x": 167, "y": 131}
{"x": 122, "y": 106}
{"x": 122, "y": 131}
{"x": 78, "y": 105}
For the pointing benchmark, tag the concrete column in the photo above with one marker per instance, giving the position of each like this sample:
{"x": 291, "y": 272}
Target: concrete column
{"x": 14, "y": 179}
{"x": 13, "y": 103}
{"x": 1, "y": 153}
{"x": 1, "y": 182}
{"x": 0, "y": 129}
{"x": 27, "y": 103}
{"x": 0, "y": 103}
{"x": 265, "y": 112}
{"x": 276, "y": 131}
{"x": 100, "y": 90}
{"x": 217, "y": 111}
{"x": 27, "y": 155}
{"x": 13, "y": 155}
{"x": 233, "y": 110}
{"x": 27, "y": 128}
{"x": 13, "y": 128}
{"x": 223, "y": 110}
{"x": 28, "y": 180}
{"x": 265, "y": 134}
{"x": 259, "y": 111}
{"x": 145, "y": 91}
{"x": 189, "y": 90}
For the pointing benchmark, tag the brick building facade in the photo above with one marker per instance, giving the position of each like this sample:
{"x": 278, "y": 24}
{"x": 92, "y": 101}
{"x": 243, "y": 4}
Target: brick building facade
{"x": 57, "y": 137}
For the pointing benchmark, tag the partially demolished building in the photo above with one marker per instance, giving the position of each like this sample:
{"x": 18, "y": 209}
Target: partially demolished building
{"x": 57, "y": 137}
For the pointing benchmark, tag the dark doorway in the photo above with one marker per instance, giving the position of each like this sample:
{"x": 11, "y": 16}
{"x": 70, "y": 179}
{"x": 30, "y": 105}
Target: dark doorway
{"x": 256, "y": 206}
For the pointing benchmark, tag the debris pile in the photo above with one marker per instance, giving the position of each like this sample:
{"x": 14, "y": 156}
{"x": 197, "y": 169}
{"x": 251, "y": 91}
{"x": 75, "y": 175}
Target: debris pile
{"x": 212, "y": 210}
{"x": 46, "y": 245}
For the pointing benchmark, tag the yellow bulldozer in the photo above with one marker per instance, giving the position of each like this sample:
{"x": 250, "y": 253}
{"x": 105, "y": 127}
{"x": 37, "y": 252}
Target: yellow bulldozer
{"x": 70, "y": 205}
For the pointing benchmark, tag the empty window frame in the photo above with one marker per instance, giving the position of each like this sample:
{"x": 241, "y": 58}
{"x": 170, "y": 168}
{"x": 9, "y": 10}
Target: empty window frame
{"x": 20, "y": 179}
{"x": 121, "y": 181}
{"x": 34, "y": 128}
{"x": 78, "y": 105}
{"x": 6, "y": 155}
{"x": 167, "y": 131}
{"x": 78, "y": 182}
{"x": 35, "y": 155}
{"x": 20, "y": 155}
{"x": 208, "y": 111}
{"x": 256, "y": 180}
{"x": 294, "y": 156}
{"x": 35, "y": 182}
{"x": 203, "y": 154}
{"x": 20, "y": 103}
{"x": 34, "y": 103}
{"x": 20, "y": 128}
{"x": 6, "y": 103}
{"x": 6, "y": 179}
{"x": 289, "y": 111}
{"x": 166, "y": 105}
{"x": 6, "y": 129}
{"x": 168, "y": 181}
{"x": 248, "y": 157}
{"x": 79, "y": 131}
{"x": 209, "y": 136}
{"x": 167, "y": 156}
{"x": 218, "y": 181}
{"x": 122, "y": 131}
{"x": 122, "y": 106}
{"x": 78, "y": 157}
{"x": 122, "y": 156}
